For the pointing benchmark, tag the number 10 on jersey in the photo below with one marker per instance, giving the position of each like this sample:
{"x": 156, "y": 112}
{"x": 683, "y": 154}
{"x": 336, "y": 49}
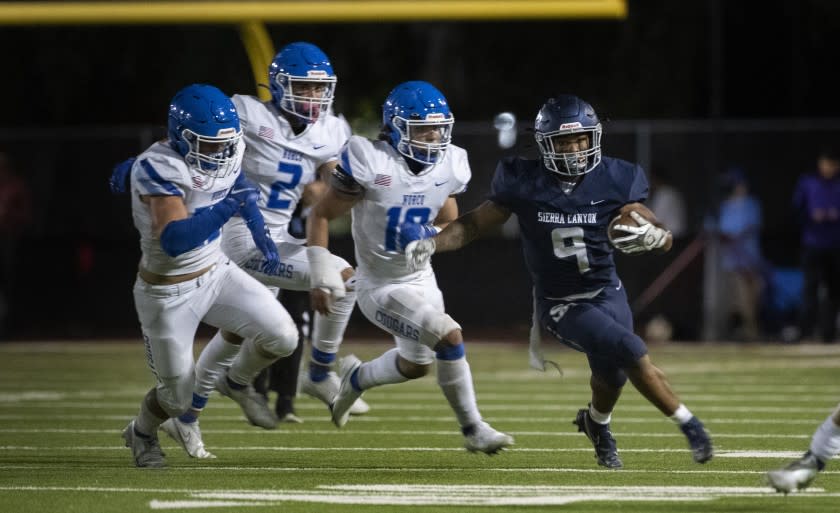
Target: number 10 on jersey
{"x": 397, "y": 216}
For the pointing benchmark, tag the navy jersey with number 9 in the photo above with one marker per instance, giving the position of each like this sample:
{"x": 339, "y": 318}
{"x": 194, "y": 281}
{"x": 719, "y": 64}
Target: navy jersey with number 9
{"x": 564, "y": 235}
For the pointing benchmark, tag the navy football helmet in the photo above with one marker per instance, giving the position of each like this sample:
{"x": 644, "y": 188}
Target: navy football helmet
{"x": 417, "y": 121}
{"x": 559, "y": 117}
{"x": 204, "y": 129}
{"x": 302, "y": 81}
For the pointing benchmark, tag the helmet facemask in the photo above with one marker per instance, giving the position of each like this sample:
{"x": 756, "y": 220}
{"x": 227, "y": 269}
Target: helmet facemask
{"x": 415, "y": 140}
{"x": 307, "y": 98}
{"x": 570, "y": 164}
{"x": 214, "y": 157}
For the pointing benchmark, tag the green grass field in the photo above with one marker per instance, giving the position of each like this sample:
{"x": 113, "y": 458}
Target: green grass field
{"x": 62, "y": 407}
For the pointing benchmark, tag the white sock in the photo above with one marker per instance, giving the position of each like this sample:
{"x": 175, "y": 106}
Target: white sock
{"x": 216, "y": 357}
{"x": 328, "y": 330}
{"x": 598, "y": 417}
{"x": 682, "y": 415}
{"x": 455, "y": 380}
{"x": 248, "y": 363}
{"x": 382, "y": 370}
{"x": 825, "y": 443}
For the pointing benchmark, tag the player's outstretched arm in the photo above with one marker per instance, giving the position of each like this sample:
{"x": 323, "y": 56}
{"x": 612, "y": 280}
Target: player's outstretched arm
{"x": 457, "y": 234}
{"x": 469, "y": 226}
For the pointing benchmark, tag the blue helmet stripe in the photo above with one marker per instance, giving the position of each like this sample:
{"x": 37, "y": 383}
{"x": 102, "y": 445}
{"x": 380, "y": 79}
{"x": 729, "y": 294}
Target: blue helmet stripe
{"x": 154, "y": 184}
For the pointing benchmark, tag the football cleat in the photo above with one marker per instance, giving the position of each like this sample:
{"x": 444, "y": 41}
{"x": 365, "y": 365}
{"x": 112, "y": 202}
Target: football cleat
{"x": 347, "y": 395}
{"x": 290, "y": 418}
{"x": 253, "y": 405}
{"x": 483, "y": 438}
{"x": 146, "y": 451}
{"x": 796, "y": 475}
{"x": 326, "y": 391}
{"x": 188, "y": 436}
{"x": 601, "y": 437}
{"x": 360, "y": 407}
{"x": 699, "y": 440}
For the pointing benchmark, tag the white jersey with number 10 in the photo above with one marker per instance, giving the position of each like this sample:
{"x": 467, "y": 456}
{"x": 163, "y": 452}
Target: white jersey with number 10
{"x": 394, "y": 195}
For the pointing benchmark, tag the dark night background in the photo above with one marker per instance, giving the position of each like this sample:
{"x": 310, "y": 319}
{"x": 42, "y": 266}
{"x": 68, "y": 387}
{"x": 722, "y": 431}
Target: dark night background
{"x": 752, "y": 83}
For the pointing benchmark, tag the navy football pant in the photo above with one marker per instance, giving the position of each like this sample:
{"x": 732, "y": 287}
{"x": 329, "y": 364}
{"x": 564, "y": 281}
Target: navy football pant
{"x": 601, "y": 327}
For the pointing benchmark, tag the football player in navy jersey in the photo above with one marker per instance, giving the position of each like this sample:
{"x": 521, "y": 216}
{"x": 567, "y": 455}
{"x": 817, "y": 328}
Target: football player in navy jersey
{"x": 564, "y": 202}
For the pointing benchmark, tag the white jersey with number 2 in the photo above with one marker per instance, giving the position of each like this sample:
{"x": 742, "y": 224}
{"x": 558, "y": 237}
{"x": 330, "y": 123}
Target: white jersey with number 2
{"x": 282, "y": 162}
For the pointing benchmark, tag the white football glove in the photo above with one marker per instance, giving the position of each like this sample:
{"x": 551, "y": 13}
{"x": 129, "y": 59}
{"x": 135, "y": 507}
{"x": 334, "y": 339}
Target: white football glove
{"x": 323, "y": 274}
{"x": 418, "y": 253}
{"x": 639, "y": 239}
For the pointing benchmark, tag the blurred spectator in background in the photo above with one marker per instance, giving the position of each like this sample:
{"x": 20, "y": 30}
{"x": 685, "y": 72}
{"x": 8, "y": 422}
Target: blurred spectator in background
{"x": 667, "y": 202}
{"x": 737, "y": 226}
{"x": 15, "y": 216}
{"x": 817, "y": 203}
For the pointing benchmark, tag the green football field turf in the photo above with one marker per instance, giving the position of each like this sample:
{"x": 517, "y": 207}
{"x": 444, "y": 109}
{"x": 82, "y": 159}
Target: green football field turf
{"x": 62, "y": 406}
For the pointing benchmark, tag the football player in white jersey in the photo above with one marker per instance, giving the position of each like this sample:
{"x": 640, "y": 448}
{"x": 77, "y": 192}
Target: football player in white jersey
{"x": 410, "y": 175}
{"x": 290, "y": 140}
{"x": 183, "y": 190}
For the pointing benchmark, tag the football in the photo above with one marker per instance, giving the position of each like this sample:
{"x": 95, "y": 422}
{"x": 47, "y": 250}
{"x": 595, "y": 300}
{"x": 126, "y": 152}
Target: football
{"x": 625, "y": 218}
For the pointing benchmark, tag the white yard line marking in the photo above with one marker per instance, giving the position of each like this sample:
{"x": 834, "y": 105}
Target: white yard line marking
{"x": 212, "y": 416}
{"x": 410, "y": 494}
{"x": 199, "y": 504}
{"x": 764, "y": 395}
{"x": 424, "y": 432}
{"x": 560, "y": 406}
{"x": 343, "y": 470}
{"x": 14, "y": 385}
{"x": 476, "y": 495}
{"x": 721, "y": 453}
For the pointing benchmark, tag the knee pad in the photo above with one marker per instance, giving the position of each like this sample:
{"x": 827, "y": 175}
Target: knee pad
{"x": 279, "y": 342}
{"x": 439, "y": 324}
{"x": 174, "y": 394}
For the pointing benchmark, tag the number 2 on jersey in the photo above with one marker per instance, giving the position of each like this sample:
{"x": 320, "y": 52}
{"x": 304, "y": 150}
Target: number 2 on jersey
{"x": 419, "y": 215}
{"x": 290, "y": 178}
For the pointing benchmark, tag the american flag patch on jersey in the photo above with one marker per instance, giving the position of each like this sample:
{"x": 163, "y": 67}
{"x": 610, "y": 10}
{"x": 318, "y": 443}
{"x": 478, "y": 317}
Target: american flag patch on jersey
{"x": 383, "y": 180}
{"x": 198, "y": 182}
{"x": 266, "y": 132}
